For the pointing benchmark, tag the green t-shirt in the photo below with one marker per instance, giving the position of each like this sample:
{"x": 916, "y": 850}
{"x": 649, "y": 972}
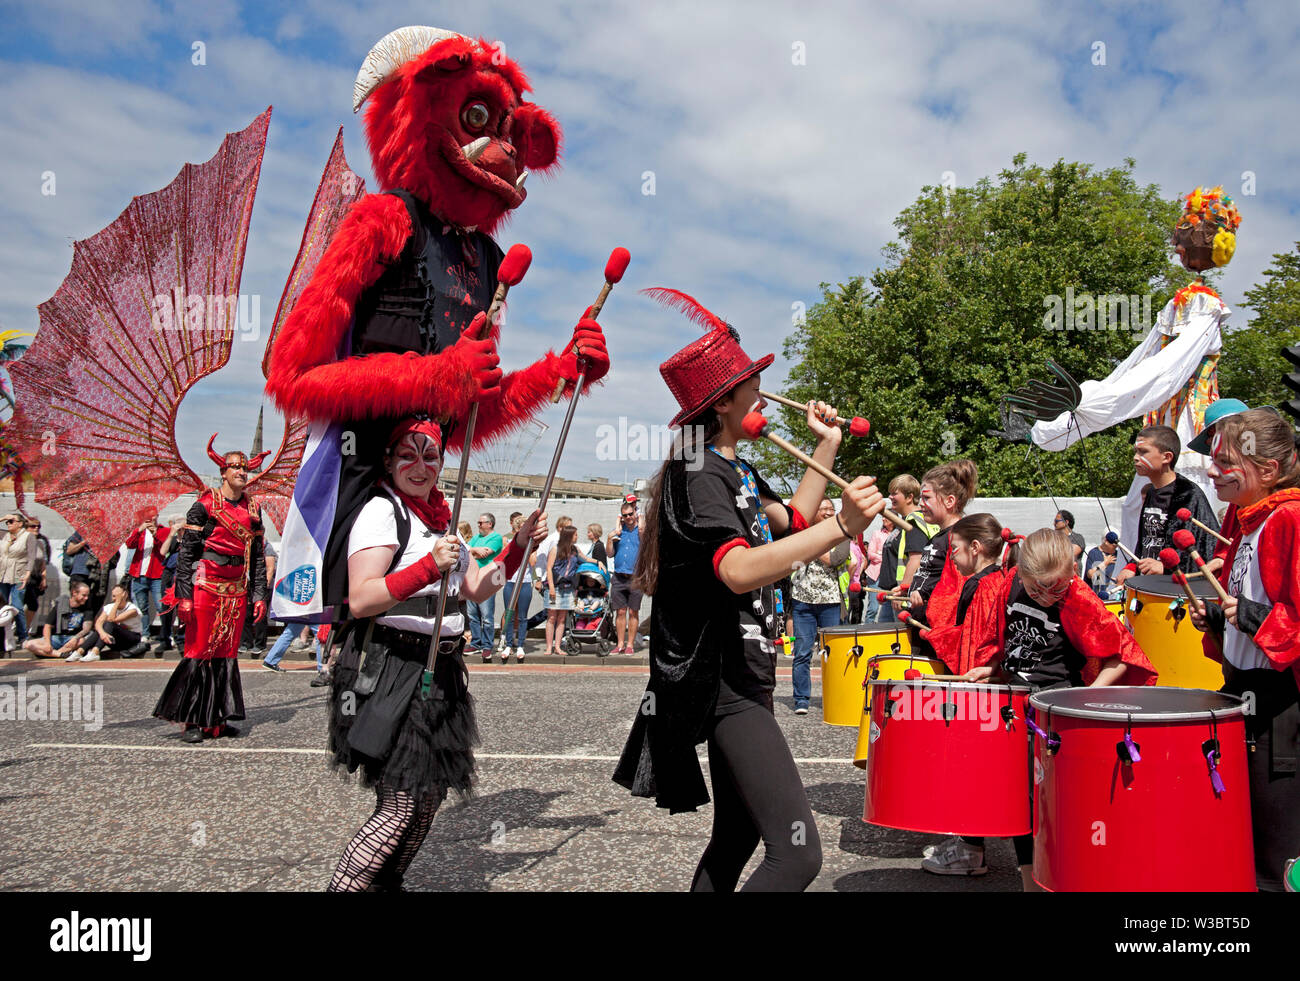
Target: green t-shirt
{"x": 492, "y": 541}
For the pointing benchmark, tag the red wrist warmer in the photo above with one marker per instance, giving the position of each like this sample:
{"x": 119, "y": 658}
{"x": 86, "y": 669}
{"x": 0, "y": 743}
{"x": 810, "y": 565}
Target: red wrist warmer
{"x": 405, "y": 583}
{"x": 511, "y": 558}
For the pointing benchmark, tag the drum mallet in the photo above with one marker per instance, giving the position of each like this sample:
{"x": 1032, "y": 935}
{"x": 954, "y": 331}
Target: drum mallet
{"x": 1186, "y": 541}
{"x": 511, "y": 271}
{"x": 1169, "y": 559}
{"x": 1186, "y": 515}
{"x": 755, "y": 426}
{"x": 857, "y": 425}
{"x": 1125, "y": 549}
{"x": 615, "y": 267}
{"x": 912, "y": 621}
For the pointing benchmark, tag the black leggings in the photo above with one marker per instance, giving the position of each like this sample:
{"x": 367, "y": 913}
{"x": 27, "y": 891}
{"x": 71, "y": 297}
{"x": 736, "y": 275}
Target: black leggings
{"x": 757, "y": 794}
{"x": 123, "y": 639}
{"x": 1024, "y": 845}
{"x": 1271, "y": 763}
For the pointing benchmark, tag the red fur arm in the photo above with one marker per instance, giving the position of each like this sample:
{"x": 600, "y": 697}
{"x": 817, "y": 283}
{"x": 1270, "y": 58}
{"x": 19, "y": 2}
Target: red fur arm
{"x": 307, "y": 377}
{"x": 524, "y": 393}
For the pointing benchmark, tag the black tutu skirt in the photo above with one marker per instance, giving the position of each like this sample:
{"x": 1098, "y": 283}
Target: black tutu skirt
{"x": 202, "y": 692}
{"x": 431, "y": 747}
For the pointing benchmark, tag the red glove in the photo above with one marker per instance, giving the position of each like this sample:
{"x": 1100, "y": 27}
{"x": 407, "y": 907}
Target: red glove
{"x": 511, "y": 558}
{"x": 478, "y": 360}
{"x": 405, "y": 583}
{"x": 588, "y": 342}
{"x": 259, "y": 611}
{"x": 185, "y": 610}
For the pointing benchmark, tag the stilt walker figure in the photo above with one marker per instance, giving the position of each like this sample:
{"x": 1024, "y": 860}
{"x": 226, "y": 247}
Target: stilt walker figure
{"x": 220, "y": 567}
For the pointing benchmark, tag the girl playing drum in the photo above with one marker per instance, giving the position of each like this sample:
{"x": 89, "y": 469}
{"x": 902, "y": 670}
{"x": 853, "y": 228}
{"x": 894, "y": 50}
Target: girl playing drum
{"x": 1046, "y": 623}
{"x": 945, "y": 489}
{"x": 717, "y": 539}
{"x": 1256, "y": 633}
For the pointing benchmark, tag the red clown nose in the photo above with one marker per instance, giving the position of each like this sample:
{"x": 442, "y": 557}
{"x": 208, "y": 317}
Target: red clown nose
{"x": 753, "y": 425}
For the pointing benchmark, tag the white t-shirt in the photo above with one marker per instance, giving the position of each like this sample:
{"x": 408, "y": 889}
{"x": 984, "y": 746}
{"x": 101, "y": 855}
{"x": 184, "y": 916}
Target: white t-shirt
{"x": 377, "y": 525}
{"x": 1239, "y": 649}
{"x": 131, "y": 623}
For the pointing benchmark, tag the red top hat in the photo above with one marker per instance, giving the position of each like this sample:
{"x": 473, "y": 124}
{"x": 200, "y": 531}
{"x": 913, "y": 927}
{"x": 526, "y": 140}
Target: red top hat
{"x": 704, "y": 370}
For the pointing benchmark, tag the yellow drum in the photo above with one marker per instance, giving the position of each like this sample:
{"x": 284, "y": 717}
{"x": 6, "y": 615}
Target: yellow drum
{"x": 888, "y": 667}
{"x": 845, "y": 652}
{"x": 1156, "y": 610}
{"x": 1117, "y": 608}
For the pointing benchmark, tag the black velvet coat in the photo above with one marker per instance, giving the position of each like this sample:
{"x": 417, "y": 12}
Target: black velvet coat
{"x": 695, "y": 626}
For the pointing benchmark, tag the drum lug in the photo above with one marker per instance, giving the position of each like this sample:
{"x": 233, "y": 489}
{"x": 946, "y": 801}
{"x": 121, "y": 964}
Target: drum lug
{"x": 1008, "y": 716}
{"x": 896, "y": 648}
{"x": 949, "y": 711}
{"x": 826, "y": 654}
{"x": 1210, "y": 750}
{"x": 856, "y": 651}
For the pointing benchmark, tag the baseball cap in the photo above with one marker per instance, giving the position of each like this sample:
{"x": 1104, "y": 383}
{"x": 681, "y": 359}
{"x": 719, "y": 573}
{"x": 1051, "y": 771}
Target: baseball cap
{"x": 1214, "y": 413}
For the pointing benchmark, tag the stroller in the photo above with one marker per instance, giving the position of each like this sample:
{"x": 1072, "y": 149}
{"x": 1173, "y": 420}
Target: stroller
{"x": 585, "y": 623}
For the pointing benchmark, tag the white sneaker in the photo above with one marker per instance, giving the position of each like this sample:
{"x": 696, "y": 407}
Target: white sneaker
{"x": 74, "y": 656}
{"x": 90, "y": 656}
{"x": 956, "y": 859}
{"x": 519, "y": 654}
{"x": 929, "y": 850}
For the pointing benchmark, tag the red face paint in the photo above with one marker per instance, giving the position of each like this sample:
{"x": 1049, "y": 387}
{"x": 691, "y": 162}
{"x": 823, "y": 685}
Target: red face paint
{"x": 416, "y": 462}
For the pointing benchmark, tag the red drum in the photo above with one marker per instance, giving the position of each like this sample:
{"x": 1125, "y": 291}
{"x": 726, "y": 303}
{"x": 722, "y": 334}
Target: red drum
{"x": 1141, "y": 789}
{"x": 949, "y": 757}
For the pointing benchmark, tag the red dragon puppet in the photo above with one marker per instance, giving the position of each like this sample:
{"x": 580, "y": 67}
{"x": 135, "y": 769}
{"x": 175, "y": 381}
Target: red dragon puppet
{"x": 382, "y": 330}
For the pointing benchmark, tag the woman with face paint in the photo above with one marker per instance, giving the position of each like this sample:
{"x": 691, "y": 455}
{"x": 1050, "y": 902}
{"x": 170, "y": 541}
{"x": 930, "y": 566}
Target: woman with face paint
{"x": 1256, "y": 633}
{"x": 412, "y": 748}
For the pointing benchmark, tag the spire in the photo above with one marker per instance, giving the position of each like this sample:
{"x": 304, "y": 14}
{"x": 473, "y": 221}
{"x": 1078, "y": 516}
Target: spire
{"x": 257, "y": 433}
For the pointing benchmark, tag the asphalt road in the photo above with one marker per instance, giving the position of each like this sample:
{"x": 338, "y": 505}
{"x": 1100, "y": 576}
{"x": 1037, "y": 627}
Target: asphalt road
{"x": 127, "y": 806}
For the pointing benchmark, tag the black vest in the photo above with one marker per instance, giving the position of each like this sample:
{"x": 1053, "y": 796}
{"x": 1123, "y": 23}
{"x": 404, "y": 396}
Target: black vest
{"x": 421, "y": 303}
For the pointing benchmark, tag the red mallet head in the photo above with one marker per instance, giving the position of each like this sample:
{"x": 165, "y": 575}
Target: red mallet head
{"x": 617, "y": 264}
{"x": 904, "y": 616}
{"x": 515, "y": 264}
{"x": 1184, "y": 514}
{"x": 859, "y": 426}
{"x": 1169, "y": 558}
{"x": 1184, "y": 538}
{"x": 855, "y": 587}
{"x": 754, "y": 425}
{"x": 911, "y": 674}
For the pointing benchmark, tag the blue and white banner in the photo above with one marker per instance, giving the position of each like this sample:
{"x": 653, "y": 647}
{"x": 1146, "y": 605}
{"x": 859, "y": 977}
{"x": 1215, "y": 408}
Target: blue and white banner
{"x": 299, "y": 584}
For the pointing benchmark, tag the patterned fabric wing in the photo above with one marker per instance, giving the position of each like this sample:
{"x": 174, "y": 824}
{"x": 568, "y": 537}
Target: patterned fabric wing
{"x": 339, "y": 189}
{"x": 147, "y": 309}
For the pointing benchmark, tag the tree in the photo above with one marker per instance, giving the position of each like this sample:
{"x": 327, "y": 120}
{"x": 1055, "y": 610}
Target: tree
{"x": 961, "y": 314}
{"x": 1251, "y": 366}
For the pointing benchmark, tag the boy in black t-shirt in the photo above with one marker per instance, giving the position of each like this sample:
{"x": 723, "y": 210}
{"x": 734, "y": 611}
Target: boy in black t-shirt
{"x": 901, "y": 554}
{"x": 1155, "y": 452}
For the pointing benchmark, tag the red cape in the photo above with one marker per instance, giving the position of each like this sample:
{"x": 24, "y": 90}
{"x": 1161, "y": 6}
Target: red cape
{"x": 976, "y": 641}
{"x": 1279, "y": 558}
{"x": 1092, "y": 629}
{"x": 941, "y": 611}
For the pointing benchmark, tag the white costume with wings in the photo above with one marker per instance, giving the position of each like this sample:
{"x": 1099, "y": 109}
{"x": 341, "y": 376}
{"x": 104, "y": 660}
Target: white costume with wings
{"x": 1170, "y": 378}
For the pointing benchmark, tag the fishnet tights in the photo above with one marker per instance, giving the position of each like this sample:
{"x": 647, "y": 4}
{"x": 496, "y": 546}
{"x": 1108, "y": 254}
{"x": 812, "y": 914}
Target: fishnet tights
{"x": 381, "y": 852}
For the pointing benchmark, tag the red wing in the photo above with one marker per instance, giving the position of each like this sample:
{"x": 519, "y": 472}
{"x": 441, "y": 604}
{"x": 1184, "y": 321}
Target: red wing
{"x": 99, "y": 388}
{"x": 339, "y": 189}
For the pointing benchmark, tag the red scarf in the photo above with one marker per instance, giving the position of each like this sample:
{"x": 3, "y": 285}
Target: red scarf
{"x": 435, "y": 512}
{"x": 1252, "y": 517}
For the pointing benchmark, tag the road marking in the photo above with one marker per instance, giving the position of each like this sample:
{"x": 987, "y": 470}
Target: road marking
{"x": 543, "y": 757}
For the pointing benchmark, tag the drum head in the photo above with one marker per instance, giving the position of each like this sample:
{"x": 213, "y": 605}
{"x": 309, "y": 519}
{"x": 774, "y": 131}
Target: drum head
{"x": 1148, "y": 703}
{"x": 861, "y": 629}
{"x": 933, "y": 682}
{"x": 1165, "y": 586}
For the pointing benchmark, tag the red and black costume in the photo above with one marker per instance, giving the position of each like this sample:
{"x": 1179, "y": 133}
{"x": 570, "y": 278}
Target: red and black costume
{"x": 970, "y": 640}
{"x": 1048, "y": 646}
{"x": 220, "y": 568}
{"x": 1261, "y": 655}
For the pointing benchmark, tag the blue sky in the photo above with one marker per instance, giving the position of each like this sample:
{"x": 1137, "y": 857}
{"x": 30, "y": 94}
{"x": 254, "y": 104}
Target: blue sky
{"x": 770, "y": 176}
